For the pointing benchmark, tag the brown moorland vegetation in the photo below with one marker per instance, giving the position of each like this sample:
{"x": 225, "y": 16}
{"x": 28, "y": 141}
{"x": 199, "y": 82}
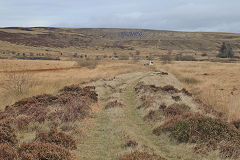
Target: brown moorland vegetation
{"x": 202, "y": 114}
{"x": 208, "y": 131}
{"x": 72, "y": 103}
{"x": 49, "y": 82}
{"x": 217, "y": 84}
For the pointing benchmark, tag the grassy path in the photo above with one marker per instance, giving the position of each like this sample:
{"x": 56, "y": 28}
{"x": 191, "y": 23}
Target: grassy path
{"x": 112, "y": 127}
{"x": 142, "y": 132}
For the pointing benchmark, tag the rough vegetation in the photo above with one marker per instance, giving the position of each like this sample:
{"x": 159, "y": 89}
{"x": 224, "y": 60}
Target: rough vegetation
{"x": 186, "y": 126}
{"x": 72, "y": 103}
{"x": 113, "y": 104}
{"x": 207, "y": 133}
{"x": 7, "y": 130}
{"x": 176, "y": 109}
{"x": 168, "y": 88}
{"x": 7, "y": 152}
{"x": 39, "y": 150}
{"x": 201, "y": 129}
{"x": 58, "y": 138}
{"x": 67, "y": 123}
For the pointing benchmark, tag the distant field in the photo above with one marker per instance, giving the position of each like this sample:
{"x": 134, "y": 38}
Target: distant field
{"x": 109, "y": 43}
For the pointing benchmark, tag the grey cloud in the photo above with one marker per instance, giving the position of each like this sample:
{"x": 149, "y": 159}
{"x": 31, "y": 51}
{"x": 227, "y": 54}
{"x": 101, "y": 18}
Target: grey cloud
{"x": 186, "y": 15}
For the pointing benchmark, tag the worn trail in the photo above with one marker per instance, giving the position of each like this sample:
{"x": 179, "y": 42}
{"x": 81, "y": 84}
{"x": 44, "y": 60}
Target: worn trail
{"x": 111, "y": 129}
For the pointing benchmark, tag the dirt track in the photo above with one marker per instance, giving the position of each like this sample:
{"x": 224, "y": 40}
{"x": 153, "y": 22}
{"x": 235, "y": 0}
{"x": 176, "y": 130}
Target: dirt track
{"x": 112, "y": 128}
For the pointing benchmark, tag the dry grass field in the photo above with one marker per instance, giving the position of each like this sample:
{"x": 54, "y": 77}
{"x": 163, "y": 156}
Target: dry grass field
{"x": 216, "y": 84}
{"x": 143, "y": 101}
{"x": 91, "y": 97}
{"x": 50, "y": 76}
{"x": 31, "y": 65}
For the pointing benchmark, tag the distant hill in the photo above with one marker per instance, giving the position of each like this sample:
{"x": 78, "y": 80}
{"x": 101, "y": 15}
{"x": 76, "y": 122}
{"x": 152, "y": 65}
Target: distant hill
{"x": 83, "y": 39}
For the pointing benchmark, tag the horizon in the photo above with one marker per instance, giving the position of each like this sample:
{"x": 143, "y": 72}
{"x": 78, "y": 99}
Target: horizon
{"x": 176, "y": 15}
{"x": 10, "y": 27}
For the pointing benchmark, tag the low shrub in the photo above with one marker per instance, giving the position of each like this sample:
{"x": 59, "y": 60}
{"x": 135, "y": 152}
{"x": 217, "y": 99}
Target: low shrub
{"x": 71, "y": 104}
{"x": 229, "y": 149}
{"x": 146, "y": 104}
{"x": 45, "y": 98}
{"x": 7, "y": 152}
{"x": 113, "y": 104}
{"x": 152, "y": 88}
{"x": 201, "y": 129}
{"x": 75, "y": 109}
{"x": 186, "y": 92}
{"x": 76, "y": 90}
{"x": 43, "y": 151}
{"x": 154, "y": 115}
{"x": 131, "y": 143}
{"x": 58, "y": 138}
{"x": 23, "y": 121}
{"x": 7, "y": 133}
{"x": 170, "y": 89}
{"x": 176, "y": 109}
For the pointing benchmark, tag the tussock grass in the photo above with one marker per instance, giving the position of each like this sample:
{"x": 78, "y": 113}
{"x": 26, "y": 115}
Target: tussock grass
{"x": 216, "y": 84}
{"x": 88, "y": 63}
{"x": 189, "y": 80}
{"x": 208, "y": 133}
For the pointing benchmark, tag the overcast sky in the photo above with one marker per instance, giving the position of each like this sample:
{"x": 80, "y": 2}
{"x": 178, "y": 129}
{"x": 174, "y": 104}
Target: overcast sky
{"x": 181, "y": 15}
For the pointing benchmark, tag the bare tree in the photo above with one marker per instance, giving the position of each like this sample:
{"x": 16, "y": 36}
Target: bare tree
{"x": 16, "y": 82}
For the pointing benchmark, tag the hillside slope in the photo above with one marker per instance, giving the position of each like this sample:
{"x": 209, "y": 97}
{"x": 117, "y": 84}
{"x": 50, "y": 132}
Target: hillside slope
{"x": 64, "y": 41}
